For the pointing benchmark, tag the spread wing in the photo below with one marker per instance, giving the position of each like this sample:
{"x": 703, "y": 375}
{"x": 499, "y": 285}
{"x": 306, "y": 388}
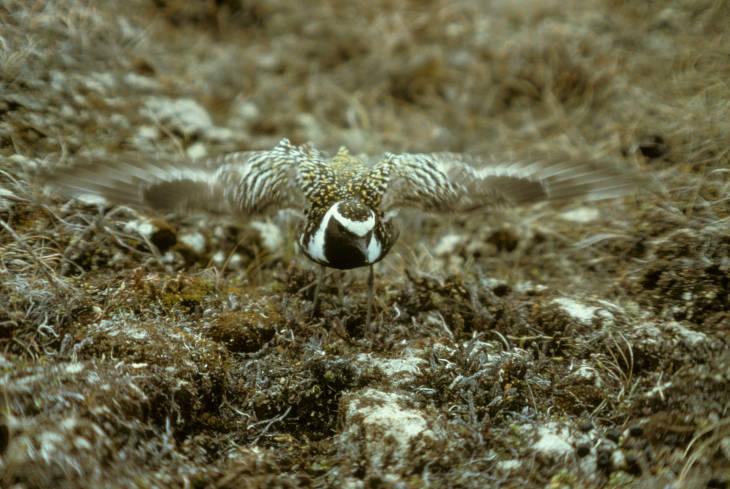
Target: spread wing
{"x": 449, "y": 182}
{"x": 249, "y": 183}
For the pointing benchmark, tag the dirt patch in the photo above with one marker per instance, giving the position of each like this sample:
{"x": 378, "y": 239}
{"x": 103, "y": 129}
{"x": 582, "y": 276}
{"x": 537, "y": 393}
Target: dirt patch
{"x": 581, "y": 346}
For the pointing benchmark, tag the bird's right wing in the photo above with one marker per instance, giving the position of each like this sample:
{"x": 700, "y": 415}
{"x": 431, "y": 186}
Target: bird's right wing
{"x": 248, "y": 183}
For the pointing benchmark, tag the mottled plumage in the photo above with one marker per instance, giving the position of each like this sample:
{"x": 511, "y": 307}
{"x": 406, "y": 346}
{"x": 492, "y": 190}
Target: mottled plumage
{"x": 341, "y": 194}
{"x": 345, "y": 198}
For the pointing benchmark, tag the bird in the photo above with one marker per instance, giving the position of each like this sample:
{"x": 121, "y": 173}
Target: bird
{"x": 349, "y": 202}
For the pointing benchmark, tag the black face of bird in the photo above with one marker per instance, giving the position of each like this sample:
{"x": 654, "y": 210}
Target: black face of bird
{"x": 346, "y": 247}
{"x": 346, "y": 237}
{"x": 349, "y": 239}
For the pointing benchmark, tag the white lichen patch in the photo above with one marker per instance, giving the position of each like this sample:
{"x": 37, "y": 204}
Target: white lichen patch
{"x": 688, "y": 336}
{"x": 670, "y": 334}
{"x": 137, "y": 334}
{"x": 92, "y": 199}
{"x": 146, "y": 133}
{"x": 218, "y": 258}
{"x": 647, "y": 333}
{"x": 448, "y": 244}
{"x": 244, "y": 112}
{"x": 235, "y": 261}
{"x": 528, "y": 287}
{"x": 133, "y": 80}
{"x": 618, "y": 459}
{"x": 73, "y": 368}
{"x": 395, "y": 370}
{"x": 582, "y": 313}
{"x": 492, "y": 283}
{"x": 507, "y": 466}
{"x": 378, "y": 428}
{"x": 553, "y": 440}
{"x": 196, "y": 151}
{"x": 119, "y": 325}
{"x": 25, "y": 162}
{"x": 221, "y": 259}
{"x": 171, "y": 256}
{"x": 271, "y": 236}
{"x": 142, "y": 227}
{"x": 586, "y": 372}
{"x": 185, "y": 115}
{"x": 581, "y": 215}
{"x": 193, "y": 240}
{"x": 99, "y": 82}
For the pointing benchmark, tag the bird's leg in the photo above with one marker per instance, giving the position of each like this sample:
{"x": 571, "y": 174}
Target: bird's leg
{"x": 315, "y": 305}
{"x": 341, "y": 289}
{"x": 371, "y": 290}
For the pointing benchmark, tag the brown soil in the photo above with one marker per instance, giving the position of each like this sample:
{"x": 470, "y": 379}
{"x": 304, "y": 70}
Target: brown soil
{"x": 576, "y": 347}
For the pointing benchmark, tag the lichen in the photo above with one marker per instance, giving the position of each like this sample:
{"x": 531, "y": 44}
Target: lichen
{"x": 581, "y": 346}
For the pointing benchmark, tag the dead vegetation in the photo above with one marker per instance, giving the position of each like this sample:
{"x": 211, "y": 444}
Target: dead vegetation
{"x": 575, "y": 347}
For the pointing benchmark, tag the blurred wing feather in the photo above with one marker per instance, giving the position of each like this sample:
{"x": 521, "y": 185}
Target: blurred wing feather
{"x": 449, "y": 182}
{"x": 249, "y": 183}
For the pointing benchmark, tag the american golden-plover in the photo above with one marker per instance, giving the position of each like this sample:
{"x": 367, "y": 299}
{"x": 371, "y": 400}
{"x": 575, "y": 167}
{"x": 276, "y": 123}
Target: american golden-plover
{"x": 348, "y": 200}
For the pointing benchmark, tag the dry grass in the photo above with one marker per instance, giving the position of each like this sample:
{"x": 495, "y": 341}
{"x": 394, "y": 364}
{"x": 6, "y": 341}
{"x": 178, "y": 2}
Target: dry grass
{"x": 128, "y": 356}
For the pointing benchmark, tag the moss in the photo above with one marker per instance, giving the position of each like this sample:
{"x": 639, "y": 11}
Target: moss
{"x": 185, "y": 292}
{"x": 461, "y": 303}
{"x": 132, "y": 362}
{"x": 245, "y": 331}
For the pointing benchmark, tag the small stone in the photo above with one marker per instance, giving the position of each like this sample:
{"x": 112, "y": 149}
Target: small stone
{"x": 603, "y": 460}
{"x": 164, "y": 237}
{"x": 504, "y": 239}
{"x": 4, "y": 438}
{"x": 585, "y": 426}
{"x": 614, "y": 435}
{"x": 583, "y": 449}
{"x": 653, "y": 146}
{"x": 717, "y": 483}
{"x": 502, "y": 290}
{"x": 633, "y": 466}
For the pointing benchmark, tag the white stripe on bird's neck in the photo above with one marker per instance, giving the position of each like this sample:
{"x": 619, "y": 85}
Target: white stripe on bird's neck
{"x": 315, "y": 247}
{"x": 358, "y": 228}
{"x": 374, "y": 249}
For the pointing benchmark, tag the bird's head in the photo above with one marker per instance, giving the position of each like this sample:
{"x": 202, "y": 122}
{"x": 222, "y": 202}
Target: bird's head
{"x": 348, "y": 236}
{"x": 350, "y": 220}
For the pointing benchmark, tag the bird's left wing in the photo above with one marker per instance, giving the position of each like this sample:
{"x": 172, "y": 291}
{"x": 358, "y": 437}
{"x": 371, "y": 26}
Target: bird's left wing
{"x": 451, "y": 182}
{"x": 248, "y": 183}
